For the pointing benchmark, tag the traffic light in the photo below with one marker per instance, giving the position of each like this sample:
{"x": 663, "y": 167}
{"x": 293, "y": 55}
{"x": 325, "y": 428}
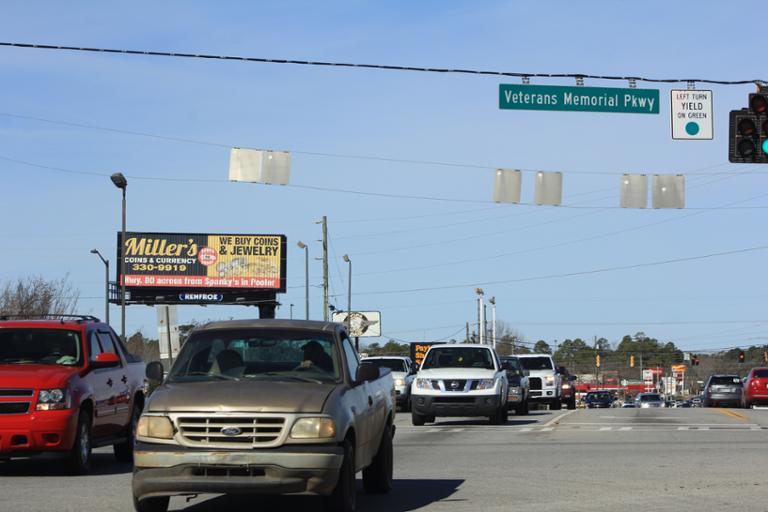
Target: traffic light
{"x": 765, "y": 356}
{"x": 597, "y": 360}
{"x": 741, "y": 356}
{"x": 694, "y": 360}
{"x": 632, "y": 361}
{"x": 748, "y": 131}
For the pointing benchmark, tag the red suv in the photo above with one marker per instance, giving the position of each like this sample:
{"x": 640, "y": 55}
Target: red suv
{"x": 755, "y": 390}
{"x": 67, "y": 386}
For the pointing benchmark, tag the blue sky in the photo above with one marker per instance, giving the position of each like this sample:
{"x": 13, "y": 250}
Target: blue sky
{"x": 52, "y": 219}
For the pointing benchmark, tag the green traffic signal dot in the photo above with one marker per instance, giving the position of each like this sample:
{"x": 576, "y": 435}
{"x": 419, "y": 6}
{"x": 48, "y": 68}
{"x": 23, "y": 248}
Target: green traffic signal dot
{"x": 765, "y": 146}
{"x": 692, "y": 128}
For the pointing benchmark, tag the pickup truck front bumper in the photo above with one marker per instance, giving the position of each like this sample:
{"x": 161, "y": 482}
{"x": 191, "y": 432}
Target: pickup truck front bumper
{"x": 37, "y": 432}
{"x": 455, "y": 405}
{"x": 166, "y": 470}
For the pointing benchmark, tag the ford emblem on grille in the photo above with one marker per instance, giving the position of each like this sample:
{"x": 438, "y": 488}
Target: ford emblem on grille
{"x": 231, "y": 431}
{"x": 454, "y": 385}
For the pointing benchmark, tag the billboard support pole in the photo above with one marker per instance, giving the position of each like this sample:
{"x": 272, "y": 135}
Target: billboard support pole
{"x": 168, "y": 329}
{"x": 324, "y": 222}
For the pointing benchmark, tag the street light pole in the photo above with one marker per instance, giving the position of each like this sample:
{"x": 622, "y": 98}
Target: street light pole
{"x": 291, "y": 311}
{"x": 349, "y": 291}
{"x": 302, "y": 245}
{"x": 120, "y": 182}
{"x": 106, "y": 283}
{"x": 493, "y": 320}
{"x": 480, "y": 315}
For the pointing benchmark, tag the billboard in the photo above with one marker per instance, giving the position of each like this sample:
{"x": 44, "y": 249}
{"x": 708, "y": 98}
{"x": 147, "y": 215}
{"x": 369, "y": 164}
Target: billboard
{"x": 361, "y": 323}
{"x": 203, "y": 262}
{"x": 419, "y": 350}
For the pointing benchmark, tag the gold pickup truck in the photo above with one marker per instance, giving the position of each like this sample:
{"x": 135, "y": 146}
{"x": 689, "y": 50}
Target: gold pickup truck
{"x": 265, "y": 406}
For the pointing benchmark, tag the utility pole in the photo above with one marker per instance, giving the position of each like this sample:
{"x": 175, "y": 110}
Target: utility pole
{"x": 480, "y": 315}
{"x": 493, "y": 321}
{"x": 467, "y": 332}
{"x": 324, "y": 222}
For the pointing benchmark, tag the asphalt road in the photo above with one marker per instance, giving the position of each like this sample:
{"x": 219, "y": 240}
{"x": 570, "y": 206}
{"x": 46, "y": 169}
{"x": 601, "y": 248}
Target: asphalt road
{"x": 599, "y": 459}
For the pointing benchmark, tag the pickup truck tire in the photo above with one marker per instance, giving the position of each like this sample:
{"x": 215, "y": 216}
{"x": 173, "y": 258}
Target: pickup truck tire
{"x": 159, "y": 504}
{"x": 377, "y": 478}
{"x": 500, "y": 417}
{"x": 344, "y": 495}
{"x": 522, "y": 409}
{"x": 124, "y": 451}
{"x": 79, "y": 460}
{"x": 417, "y": 419}
{"x": 555, "y": 405}
{"x": 572, "y": 403}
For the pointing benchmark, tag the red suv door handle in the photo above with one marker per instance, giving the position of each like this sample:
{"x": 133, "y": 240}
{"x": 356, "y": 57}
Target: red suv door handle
{"x": 109, "y": 383}
{"x": 124, "y": 379}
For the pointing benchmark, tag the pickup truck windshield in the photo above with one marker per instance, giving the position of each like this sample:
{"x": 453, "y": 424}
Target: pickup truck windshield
{"x": 598, "y": 396}
{"x": 453, "y": 357}
{"x": 248, "y": 354}
{"x": 650, "y": 398}
{"x": 725, "y": 380}
{"x": 396, "y": 365}
{"x": 536, "y": 363}
{"x": 40, "y": 346}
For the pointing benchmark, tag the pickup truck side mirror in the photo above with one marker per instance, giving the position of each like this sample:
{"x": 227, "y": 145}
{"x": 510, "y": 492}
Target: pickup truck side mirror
{"x": 106, "y": 360}
{"x": 155, "y": 371}
{"x": 366, "y": 372}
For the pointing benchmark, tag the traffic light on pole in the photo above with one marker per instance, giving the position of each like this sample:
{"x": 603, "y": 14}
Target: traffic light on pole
{"x": 741, "y": 356}
{"x": 597, "y": 360}
{"x": 694, "y": 360}
{"x": 632, "y": 361}
{"x": 748, "y": 131}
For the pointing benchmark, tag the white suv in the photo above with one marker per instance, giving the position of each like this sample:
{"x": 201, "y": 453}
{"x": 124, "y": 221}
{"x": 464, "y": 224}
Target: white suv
{"x": 403, "y": 373}
{"x": 459, "y": 380}
{"x": 543, "y": 378}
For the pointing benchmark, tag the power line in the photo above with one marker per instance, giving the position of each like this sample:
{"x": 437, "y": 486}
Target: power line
{"x": 571, "y": 274}
{"x": 385, "y": 67}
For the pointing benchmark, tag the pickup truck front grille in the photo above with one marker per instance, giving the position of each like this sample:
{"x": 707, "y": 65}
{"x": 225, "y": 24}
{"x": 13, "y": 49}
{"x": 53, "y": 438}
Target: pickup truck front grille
{"x": 246, "y": 431}
{"x": 534, "y": 382}
{"x": 14, "y": 407}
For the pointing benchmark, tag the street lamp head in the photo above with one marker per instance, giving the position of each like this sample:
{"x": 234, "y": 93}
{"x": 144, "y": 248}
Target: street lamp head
{"x": 119, "y": 180}
{"x": 346, "y": 258}
{"x": 301, "y": 245}
{"x": 94, "y": 251}
{"x": 493, "y": 300}
{"x": 479, "y": 291}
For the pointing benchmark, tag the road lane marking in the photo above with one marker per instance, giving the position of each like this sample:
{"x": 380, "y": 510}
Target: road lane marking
{"x": 526, "y": 429}
{"x": 624, "y": 429}
{"x": 683, "y": 428}
{"x": 558, "y": 418}
{"x": 604, "y": 429}
{"x": 703, "y": 428}
{"x": 547, "y": 429}
{"x": 733, "y": 414}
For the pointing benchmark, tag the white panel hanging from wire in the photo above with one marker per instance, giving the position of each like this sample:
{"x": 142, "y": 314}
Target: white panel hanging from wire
{"x": 668, "y": 191}
{"x": 549, "y": 188}
{"x": 634, "y": 191}
{"x": 506, "y": 186}
{"x": 259, "y": 166}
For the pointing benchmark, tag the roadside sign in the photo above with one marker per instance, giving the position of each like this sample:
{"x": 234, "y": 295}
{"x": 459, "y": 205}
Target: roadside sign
{"x": 691, "y": 114}
{"x": 578, "y": 99}
{"x": 361, "y": 323}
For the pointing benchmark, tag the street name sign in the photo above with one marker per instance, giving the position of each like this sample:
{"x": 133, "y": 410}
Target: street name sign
{"x": 578, "y": 99}
{"x": 691, "y": 114}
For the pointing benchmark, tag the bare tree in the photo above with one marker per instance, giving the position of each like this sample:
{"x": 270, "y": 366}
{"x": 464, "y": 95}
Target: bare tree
{"x": 38, "y": 296}
{"x": 508, "y": 339}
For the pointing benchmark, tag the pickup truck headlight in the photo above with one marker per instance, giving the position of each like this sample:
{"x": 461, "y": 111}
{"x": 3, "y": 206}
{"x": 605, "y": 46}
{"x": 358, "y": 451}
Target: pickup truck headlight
{"x": 399, "y": 382}
{"x": 514, "y": 390}
{"x": 550, "y": 380}
{"x": 423, "y": 384}
{"x": 566, "y": 386}
{"x": 52, "y": 400}
{"x": 313, "y": 428}
{"x": 158, "y": 427}
{"x": 486, "y": 384}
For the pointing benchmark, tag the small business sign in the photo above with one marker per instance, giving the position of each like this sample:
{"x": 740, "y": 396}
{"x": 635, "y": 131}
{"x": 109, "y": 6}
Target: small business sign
{"x": 201, "y": 297}
{"x": 361, "y": 324}
{"x": 691, "y": 114}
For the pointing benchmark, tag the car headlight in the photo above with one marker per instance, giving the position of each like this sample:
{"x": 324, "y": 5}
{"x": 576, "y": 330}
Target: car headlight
{"x": 514, "y": 390}
{"x": 399, "y": 382}
{"x": 158, "y": 427}
{"x": 52, "y": 400}
{"x": 549, "y": 379}
{"x": 313, "y": 428}
{"x": 423, "y": 384}
{"x": 486, "y": 384}
{"x": 566, "y": 386}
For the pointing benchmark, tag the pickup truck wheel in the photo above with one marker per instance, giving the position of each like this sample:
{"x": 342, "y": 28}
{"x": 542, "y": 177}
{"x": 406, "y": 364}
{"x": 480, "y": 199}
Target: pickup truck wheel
{"x": 555, "y": 405}
{"x": 417, "y": 419}
{"x": 124, "y": 451}
{"x": 159, "y": 504}
{"x": 500, "y": 417}
{"x": 377, "y": 478}
{"x": 522, "y": 409}
{"x": 344, "y": 495}
{"x": 80, "y": 454}
{"x": 572, "y": 403}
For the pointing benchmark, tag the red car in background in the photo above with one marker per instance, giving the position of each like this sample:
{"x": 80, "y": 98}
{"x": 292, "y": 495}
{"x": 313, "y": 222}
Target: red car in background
{"x": 67, "y": 386}
{"x": 755, "y": 389}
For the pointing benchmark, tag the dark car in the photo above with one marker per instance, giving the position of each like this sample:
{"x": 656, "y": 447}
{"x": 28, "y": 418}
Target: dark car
{"x": 519, "y": 388}
{"x": 723, "y": 390}
{"x": 598, "y": 400}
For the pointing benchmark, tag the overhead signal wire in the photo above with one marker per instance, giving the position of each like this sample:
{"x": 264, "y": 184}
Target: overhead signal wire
{"x": 572, "y": 274}
{"x": 384, "y": 67}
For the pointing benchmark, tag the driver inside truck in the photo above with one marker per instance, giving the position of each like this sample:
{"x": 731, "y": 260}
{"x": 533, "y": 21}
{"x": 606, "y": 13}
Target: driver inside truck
{"x": 314, "y": 355}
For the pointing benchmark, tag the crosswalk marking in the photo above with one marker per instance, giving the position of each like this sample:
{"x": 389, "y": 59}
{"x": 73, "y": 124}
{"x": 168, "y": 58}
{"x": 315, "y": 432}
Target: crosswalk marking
{"x": 547, "y": 429}
{"x": 624, "y": 429}
{"x": 513, "y": 429}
